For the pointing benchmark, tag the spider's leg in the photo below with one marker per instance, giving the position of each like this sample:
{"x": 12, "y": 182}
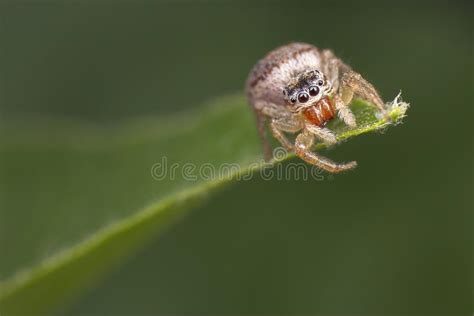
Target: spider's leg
{"x": 303, "y": 144}
{"x": 333, "y": 67}
{"x": 325, "y": 134}
{"x": 267, "y": 148}
{"x": 330, "y": 65}
{"x": 287, "y": 124}
{"x": 273, "y": 110}
{"x": 352, "y": 83}
{"x": 279, "y": 113}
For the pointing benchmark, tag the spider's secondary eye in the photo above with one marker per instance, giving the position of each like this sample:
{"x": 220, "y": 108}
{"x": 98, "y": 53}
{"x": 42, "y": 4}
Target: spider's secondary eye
{"x": 303, "y": 97}
{"x": 320, "y": 82}
{"x": 293, "y": 100}
{"x": 313, "y": 91}
{"x": 284, "y": 92}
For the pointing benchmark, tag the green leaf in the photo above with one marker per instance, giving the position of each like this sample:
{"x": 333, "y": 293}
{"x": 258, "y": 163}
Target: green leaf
{"x": 77, "y": 200}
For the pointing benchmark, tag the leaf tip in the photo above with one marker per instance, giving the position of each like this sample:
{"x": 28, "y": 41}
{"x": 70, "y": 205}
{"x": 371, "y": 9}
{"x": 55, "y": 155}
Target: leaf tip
{"x": 397, "y": 109}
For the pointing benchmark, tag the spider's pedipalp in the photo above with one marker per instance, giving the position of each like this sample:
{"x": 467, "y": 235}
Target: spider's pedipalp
{"x": 344, "y": 112}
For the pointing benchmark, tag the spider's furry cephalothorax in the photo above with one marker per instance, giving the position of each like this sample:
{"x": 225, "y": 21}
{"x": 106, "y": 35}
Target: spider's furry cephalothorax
{"x": 300, "y": 89}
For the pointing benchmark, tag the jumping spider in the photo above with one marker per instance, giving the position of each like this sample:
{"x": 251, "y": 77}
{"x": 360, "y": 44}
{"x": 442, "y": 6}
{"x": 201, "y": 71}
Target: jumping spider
{"x": 300, "y": 89}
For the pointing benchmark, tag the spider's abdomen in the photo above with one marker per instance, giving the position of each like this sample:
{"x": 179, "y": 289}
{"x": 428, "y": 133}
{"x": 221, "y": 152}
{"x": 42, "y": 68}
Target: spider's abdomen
{"x": 320, "y": 113}
{"x": 272, "y": 73}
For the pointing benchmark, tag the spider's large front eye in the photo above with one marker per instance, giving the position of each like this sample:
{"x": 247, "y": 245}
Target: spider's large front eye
{"x": 313, "y": 91}
{"x": 303, "y": 97}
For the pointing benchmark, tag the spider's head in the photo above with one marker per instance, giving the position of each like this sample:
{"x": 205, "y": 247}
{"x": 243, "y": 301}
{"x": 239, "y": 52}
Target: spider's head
{"x": 306, "y": 90}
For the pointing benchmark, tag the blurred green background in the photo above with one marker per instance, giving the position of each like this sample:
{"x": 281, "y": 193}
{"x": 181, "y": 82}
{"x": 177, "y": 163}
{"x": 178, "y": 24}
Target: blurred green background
{"x": 393, "y": 237}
